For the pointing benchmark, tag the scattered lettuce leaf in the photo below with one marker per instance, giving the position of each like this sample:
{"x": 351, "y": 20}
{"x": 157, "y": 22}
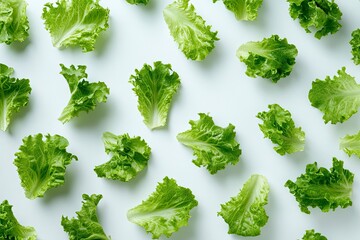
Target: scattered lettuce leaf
{"x": 137, "y": 2}
{"x": 155, "y": 88}
{"x": 280, "y": 128}
{"x": 350, "y": 144}
{"x": 42, "y": 163}
{"x": 165, "y": 211}
{"x": 87, "y": 225}
{"x": 14, "y": 24}
{"x": 322, "y": 188}
{"x": 321, "y": 15}
{"x": 271, "y": 58}
{"x": 129, "y": 157}
{"x": 245, "y": 213}
{"x": 75, "y": 22}
{"x": 10, "y": 228}
{"x": 312, "y": 235}
{"x": 337, "y": 98}
{"x": 189, "y": 30}
{"x": 214, "y": 146}
{"x": 355, "y": 46}
{"x": 14, "y": 95}
{"x": 243, "y": 9}
{"x": 84, "y": 95}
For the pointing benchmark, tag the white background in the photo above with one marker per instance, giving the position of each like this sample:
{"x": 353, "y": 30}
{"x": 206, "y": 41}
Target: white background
{"x": 218, "y": 86}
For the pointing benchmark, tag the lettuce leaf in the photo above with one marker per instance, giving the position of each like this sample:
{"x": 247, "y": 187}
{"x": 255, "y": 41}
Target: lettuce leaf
{"x": 322, "y": 188}
{"x": 312, "y": 235}
{"x": 86, "y": 226}
{"x": 355, "y": 46}
{"x": 271, "y": 58}
{"x": 129, "y": 157}
{"x": 245, "y": 213}
{"x": 337, "y": 98}
{"x": 10, "y": 228}
{"x": 350, "y": 144}
{"x": 321, "y": 15}
{"x": 14, "y": 24}
{"x": 214, "y": 146}
{"x": 137, "y": 2}
{"x": 155, "y": 88}
{"x": 75, "y": 22}
{"x": 84, "y": 95}
{"x": 279, "y": 127}
{"x": 14, "y": 95}
{"x": 41, "y": 164}
{"x": 165, "y": 211}
{"x": 243, "y": 9}
{"x": 189, "y": 30}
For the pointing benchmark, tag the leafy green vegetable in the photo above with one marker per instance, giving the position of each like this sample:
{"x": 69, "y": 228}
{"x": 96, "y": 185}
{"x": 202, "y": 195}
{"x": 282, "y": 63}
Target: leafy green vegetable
{"x": 84, "y": 95}
{"x": 337, "y": 98}
{"x": 155, "y": 88}
{"x": 14, "y": 94}
{"x": 137, "y": 2}
{"x": 355, "y": 46}
{"x": 10, "y": 228}
{"x": 321, "y": 15}
{"x": 271, "y": 58}
{"x": 322, "y": 188}
{"x": 189, "y": 30}
{"x": 214, "y": 146}
{"x": 42, "y": 163}
{"x": 245, "y": 213}
{"x": 75, "y": 22}
{"x": 243, "y": 9}
{"x": 87, "y": 225}
{"x": 279, "y": 127}
{"x": 165, "y": 211}
{"x": 14, "y": 24}
{"x": 350, "y": 144}
{"x": 130, "y": 156}
{"x": 312, "y": 235}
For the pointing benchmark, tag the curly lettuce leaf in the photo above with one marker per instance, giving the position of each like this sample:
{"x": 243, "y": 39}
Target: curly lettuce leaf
{"x": 243, "y": 9}
{"x": 189, "y": 30}
{"x": 280, "y": 128}
{"x": 350, "y": 144}
{"x": 322, "y": 188}
{"x": 41, "y": 163}
{"x": 10, "y": 228}
{"x": 165, "y": 211}
{"x": 155, "y": 88}
{"x": 14, "y": 95}
{"x": 214, "y": 146}
{"x": 87, "y": 225}
{"x": 84, "y": 95}
{"x": 355, "y": 46}
{"x": 337, "y": 98}
{"x": 75, "y": 22}
{"x": 321, "y": 15}
{"x": 312, "y": 235}
{"x": 245, "y": 213}
{"x": 129, "y": 157}
{"x": 271, "y": 58}
{"x": 137, "y": 2}
{"x": 14, "y": 24}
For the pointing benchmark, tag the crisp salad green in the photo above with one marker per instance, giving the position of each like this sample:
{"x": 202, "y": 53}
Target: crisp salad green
{"x": 350, "y": 144}
{"x": 312, "y": 235}
{"x": 137, "y": 2}
{"x": 243, "y": 9}
{"x": 355, "y": 46}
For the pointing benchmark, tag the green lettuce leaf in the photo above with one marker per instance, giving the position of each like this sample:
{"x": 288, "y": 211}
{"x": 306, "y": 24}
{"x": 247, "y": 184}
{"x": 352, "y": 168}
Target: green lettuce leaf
{"x": 14, "y": 95}
{"x": 271, "y": 58}
{"x": 322, "y": 188}
{"x": 350, "y": 144}
{"x": 337, "y": 98}
{"x": 10, "y": 228}
{"x": 355, "y": 46}
{"x": 165, "y": 211}
{"x": 14, "y": 24}
{"x": 137, "y": 2}
{"x": 279, "y": 127}
{"x": 75, "y": 22}
{"x": 189, "y": 30}
{"x": 155, "y": 88}
{"x": 243, "y": 9}
{"x": 245, "y": 213}
{"x": 86, "y": 226}
{"x": 42, "y": 163}
{"x": 312, "y": 235}
{"x": 321, "y": 15}
{"x": 84, "y": 95}
{"x": 214, "y": 146}
{"x": 129, "y": 157}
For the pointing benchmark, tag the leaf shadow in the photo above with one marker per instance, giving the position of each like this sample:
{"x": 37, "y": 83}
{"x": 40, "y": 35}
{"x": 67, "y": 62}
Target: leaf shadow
{"x": 189, "y": 231}
{"x": 92, "y": 118}
{"x": 103, "y": 40}
{"x": 20, "y": 47}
